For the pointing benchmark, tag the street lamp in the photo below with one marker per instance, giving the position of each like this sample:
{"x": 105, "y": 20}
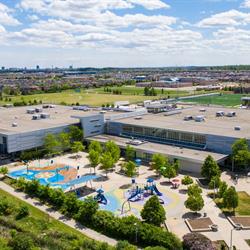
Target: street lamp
{"x": 237, "y": 227}
{"x": 136, "y": 232}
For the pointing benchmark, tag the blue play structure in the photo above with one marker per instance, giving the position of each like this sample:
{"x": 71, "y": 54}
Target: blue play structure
{"x": 151, "y": 187}
{"x": 137, "y": 193}
{"x": 100, "y": 197}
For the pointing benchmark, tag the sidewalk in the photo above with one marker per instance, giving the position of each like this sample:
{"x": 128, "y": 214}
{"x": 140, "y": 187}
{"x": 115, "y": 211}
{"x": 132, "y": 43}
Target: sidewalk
{"x": 56, "y": 215}
{"x": 224, "y": 226}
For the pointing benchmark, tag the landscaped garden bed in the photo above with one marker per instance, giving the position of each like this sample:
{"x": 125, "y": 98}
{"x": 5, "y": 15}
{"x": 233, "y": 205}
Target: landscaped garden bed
{"x": 200, "y": 224}
{"x": 244, "y": 221}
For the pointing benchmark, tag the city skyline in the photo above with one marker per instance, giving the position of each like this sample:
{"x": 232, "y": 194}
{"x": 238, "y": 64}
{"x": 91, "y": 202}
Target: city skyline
{"x": 124, "y": 33}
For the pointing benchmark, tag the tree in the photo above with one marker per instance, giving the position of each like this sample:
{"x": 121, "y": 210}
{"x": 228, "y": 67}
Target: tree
{"x": 70, "y": 204}
{"x": 197, "y": 241}
{"x": 194, "y": 189}
{"x": 124, "y": 245}
{"x": 113, "y": 149}
{"x": 214, "y": 182}
{"x": 96, "y": 146}
{"x": 187, "y": 180}
{"x": 75, "y": 133}
{"x": 4, "y": 170}
{"x": 129, "y": 153}
{"x": 87, "y": 209}
{"x": 77, "y": 146}
{"x": 153, "y": 212}
{"x": 222, "y": 189}
{"x": 230, "y": 199}
{"x": 241, "y": 153}
{"x": 158, "y": 162}
{"x": 168, "y": 171}
{"x": 64, "y": 141}
{"x": 210, "y": 168}
{"x": 130, "y": 168}
{"x": 107, "y": 161}
{"x": 94, "y": 158}
{"x": 51, "y": 144}
{"x": 194, "y": 202}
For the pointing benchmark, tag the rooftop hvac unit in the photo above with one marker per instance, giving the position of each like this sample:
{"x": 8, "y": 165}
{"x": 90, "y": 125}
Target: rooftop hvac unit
{"x": 220, "y": 113}
{"x": 203, "y": 110}
{"x": 39, "y": 110}
{"x": 200, "y": 118}
{"x": 30, "y": 111}
{"x": 188, "y": 118}
{"x": 237, "y": 128}
{"x": 138, "y": 118}
{"x": 36, "y": 117}
{"x": 231, "y": 114}
{"x": 14, "y": 124}
{"x": 45, "y": 116}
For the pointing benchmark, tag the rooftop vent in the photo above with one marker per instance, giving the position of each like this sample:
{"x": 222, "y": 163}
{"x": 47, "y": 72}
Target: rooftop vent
{"x": 237, "y": 128}
{"x": 45, "y": 116}
{"x": 199, "y": 118}
{"x": 36, "y": 117}
{"x": 188, "y": 118}
{"x": 39, "y": 110}
{"x": 138, "y": 118}
{"x": 14, "y": 124}
{"x": 231, "y": 114}
{"x": 220, "y": 113}
{"x": 203, "y": 110}
{"x": 30, "y": 111}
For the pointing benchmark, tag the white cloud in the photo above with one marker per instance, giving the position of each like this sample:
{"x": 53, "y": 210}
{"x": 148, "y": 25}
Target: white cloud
{"x": 246, "y": 4}
{"x": 228, "y": 18}
{"x": 6, "y": 17}
{"x": 150, "y": 4}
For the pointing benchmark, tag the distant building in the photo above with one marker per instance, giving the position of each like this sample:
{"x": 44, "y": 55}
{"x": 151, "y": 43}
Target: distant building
{"x": 37, "y": 67}
{"x": 3, "y": 68}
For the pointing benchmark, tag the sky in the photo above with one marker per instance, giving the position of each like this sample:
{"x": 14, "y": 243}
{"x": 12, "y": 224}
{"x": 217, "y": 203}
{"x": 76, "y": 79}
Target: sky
{"x": 124, "y": 33}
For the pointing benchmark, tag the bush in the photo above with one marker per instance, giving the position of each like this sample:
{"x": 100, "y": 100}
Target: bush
{"x": 23, "y": 211}
{"x": 197, "y": 241}
{"x": 4, "y": 170}
{"x": 187, "y": 180}
{"x": 124, "y": 245}
{"x": 5, "y": 207}
{"x": 21, "y": 242}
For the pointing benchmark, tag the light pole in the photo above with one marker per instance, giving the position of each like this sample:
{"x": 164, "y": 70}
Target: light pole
{"x": 136, "y": 232}
{"x": 237, "y": 227}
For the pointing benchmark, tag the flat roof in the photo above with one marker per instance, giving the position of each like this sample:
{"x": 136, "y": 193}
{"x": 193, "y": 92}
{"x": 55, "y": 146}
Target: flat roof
{"x": 59, "y": 116}
{"x": 192, "y": 155}
{"x": 224, "y": 126}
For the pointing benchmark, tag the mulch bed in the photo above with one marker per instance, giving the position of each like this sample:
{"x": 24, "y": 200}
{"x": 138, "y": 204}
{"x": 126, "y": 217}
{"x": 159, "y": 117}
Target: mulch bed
{"x": 200, "y": 224}
{"x": 243, "y": 220}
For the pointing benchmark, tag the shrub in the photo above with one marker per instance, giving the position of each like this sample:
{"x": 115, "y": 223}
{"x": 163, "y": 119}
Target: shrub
{"x": 124, "y": 245}
{"x": 4, "y": 170}
{"x": 5, "y": 207}
{"x": 23, "y": 211}
{"x": 197, "y": 241}
{"x": 21, "y": 242}
{"x": 187, "y": 180}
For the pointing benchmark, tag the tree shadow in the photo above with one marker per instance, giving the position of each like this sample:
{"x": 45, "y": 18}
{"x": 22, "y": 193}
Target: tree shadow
{"x": 165, "y": 183}
{"x": 125, "y": 186}
{"x": 183, "y": 191}
{"x": 191, "y": 215}
{"x": 154, "y": 177}
{"x": 101, "y": 178}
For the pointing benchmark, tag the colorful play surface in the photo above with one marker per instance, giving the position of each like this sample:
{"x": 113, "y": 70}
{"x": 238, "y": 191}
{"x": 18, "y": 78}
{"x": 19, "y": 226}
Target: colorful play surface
{"x": 56, "y": 176}
{"x": 117, "y": 200}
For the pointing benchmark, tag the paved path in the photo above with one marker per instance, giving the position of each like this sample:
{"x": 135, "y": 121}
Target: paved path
{"x": 224, "y": 226}
{"x": 54, "y": 214}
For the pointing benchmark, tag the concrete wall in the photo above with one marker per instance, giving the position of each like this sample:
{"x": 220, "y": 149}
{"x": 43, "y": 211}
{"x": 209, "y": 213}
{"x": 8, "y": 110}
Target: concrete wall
{"x": 93, "y": 125}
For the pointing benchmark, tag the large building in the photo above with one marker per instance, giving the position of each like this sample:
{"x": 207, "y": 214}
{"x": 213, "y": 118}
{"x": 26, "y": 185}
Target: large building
{"x": 187, "y": 133}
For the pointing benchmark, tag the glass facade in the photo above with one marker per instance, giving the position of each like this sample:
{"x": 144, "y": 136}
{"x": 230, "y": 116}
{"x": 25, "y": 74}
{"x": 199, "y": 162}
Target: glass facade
{"x": 165, "y": 136}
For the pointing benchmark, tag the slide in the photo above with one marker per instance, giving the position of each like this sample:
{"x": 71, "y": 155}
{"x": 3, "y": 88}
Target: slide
{"x": 137, "y": 192}
{"x": 157, "y": 191}
{"x": 103, "y": 199}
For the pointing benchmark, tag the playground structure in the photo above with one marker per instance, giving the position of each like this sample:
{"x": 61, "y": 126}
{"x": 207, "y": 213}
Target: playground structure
{"x": 100, "y": 198}
{"x": 137, "y": 193}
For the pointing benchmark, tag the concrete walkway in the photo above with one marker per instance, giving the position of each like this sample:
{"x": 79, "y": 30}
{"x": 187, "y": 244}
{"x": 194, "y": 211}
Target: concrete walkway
{"x": 224, "y": 226}
{"x": 58, "y": 216}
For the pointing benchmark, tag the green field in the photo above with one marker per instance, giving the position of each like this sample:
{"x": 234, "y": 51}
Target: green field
{"x": 229, "y": 100}
{"x": 45, "y": 232}
{"x": 93, "y": 97}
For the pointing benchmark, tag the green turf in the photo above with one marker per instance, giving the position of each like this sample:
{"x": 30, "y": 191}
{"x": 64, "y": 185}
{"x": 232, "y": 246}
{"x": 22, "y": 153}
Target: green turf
{"x": 229, "y": 100}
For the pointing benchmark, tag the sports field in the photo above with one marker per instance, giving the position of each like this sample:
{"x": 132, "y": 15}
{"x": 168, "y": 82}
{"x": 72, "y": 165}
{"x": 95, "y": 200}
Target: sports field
{"x": 93, "y": 97}
{"x": 229, "y": 100}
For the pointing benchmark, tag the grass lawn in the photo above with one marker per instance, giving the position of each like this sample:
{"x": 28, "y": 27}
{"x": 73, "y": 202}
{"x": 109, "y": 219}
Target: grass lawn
{"x": 244, "y": 204}
{"x": 229, "y": 100}
{"x": 46, "y": 232}
{"x": 94, "y": 97}
{"x": 248, "y": 242}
